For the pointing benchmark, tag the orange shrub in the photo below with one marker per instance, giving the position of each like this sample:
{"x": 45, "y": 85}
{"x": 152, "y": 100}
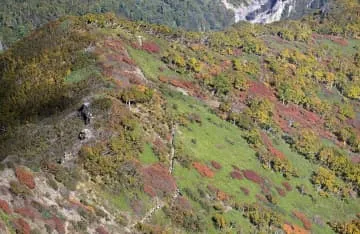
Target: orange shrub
{"x": 222, "y": 196}
{"x": 293, "y": 229}
{"x": 4, "y": 206}
{"x": 203, "y": 170}
{"x": 305, "y": 221}
{"x": 25, "y": 177}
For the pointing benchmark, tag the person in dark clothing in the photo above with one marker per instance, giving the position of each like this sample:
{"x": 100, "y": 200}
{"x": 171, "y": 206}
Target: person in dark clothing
{"x": 85, "y": 112}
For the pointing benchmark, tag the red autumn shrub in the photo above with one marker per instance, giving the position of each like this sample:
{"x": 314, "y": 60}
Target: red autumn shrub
{"x": 253, "y": 176}
{"x": 294, "y": 229}
{"x": 281, "y": 191}
{"x": 305, "y": 221}
{"x": 25, "y": 177}
{"x": 187, "y": 85}
{"x": 245, "y": 191}
{"x": 216, "y": 165}
{"x": 158, "y": 181}
{"x": 191, "y": 87}
{"x": 236, "y": 175}
{"x": 101, "y": 230}
{"x": 59, "y": 225}
{"x": 261, "y": 90}
{"x": 21, "y": 226}
{"x": 151, "y": 47}
{"x": 287, "y": 186}
{"x": 149, "y": 190}
{"x": 27, "y": 212}
{"x": 203, "y": 170}
{"x": 114, "y": 44}
{"x": 304, "y": 118}
{"x": 128, "y": 60}
{"x": 268, "y": 143}
{"x": 4, "y": 206}
{"x": 183, "y": 203}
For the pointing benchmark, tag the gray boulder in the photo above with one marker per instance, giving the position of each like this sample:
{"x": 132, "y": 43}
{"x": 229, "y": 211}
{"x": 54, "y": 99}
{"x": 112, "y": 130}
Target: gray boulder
{"x": 85, "y": 134}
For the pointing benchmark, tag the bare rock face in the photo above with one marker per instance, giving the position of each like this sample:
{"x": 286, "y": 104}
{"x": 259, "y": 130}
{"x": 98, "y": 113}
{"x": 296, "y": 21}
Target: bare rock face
{"x": 268, "y": 11}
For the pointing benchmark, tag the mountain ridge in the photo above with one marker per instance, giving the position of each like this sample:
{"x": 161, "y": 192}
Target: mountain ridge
{"x": 114, "y": 126}
{"x": 200, "y": 15}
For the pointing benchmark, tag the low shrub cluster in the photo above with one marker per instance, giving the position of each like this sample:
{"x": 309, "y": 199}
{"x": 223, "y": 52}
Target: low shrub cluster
{"x": 186, "y": 218}
{"x": 4, "y": 206}
{"x": 150, "y": 47}
{"x": 263, "y": 218}
{"x": 350, "y": 227}
{"x": 25, "y": 177}
{"x": 203, "y": 169}
{"x": 305, "y": 221}
{"x": 253, "y": 176}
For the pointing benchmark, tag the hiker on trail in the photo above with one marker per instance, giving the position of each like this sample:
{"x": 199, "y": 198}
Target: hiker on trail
{"x": 85, "y": 112}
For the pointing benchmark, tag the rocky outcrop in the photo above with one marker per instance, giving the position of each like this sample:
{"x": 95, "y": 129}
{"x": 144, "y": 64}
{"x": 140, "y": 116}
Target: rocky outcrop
{"x": 268, "y": 11}
{"x": 85, "y": 134}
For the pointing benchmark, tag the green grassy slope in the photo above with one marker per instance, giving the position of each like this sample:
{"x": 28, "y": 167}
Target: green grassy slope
{"x": 212, "y": 143}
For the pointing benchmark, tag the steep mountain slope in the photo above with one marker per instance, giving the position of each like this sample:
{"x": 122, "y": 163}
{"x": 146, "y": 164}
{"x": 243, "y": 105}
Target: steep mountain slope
{"x": 111, "y": 126}
{"x": 18, "y": 18}
{"x": 268, "y": 11}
